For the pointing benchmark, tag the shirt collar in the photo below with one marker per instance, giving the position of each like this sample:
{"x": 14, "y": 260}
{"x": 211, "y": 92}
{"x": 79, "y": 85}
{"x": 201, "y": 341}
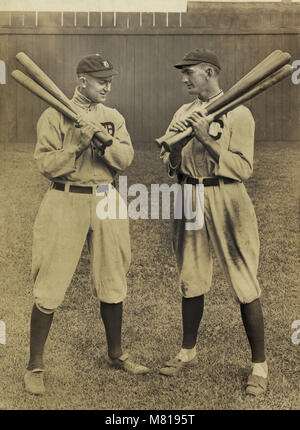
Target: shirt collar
{"x": 81, "y": 100}
{"x": 211, "y": 98}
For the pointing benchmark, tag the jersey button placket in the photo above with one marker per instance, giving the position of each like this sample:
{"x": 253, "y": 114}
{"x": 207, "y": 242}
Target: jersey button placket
{"x": 89, "y": 109}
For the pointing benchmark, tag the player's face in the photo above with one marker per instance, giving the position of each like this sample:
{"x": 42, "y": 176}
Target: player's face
{"x": 96, "y": 89}
{"x": 195, "y": 79}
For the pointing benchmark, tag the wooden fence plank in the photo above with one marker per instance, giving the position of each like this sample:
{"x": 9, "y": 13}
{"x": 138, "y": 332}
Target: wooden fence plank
{"x": 148, "y": 89}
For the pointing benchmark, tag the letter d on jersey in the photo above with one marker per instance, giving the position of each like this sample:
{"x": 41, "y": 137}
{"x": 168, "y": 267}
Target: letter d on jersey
{"x": 2, "y": 333}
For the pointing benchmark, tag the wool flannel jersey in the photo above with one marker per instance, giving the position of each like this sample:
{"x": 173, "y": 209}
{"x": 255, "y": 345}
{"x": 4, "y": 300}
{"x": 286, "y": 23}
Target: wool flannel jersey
{"x": 57, "y": 140}
{"x": 235, "y": 134}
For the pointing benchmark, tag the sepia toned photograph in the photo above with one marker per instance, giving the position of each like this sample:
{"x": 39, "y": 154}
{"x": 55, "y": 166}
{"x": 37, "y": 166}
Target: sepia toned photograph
{"x": 149, "y": 217}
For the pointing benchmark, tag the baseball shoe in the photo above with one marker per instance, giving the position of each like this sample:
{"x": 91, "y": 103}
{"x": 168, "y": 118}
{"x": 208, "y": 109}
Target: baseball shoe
{"x": 256, "y": 385}
{"x": 34, "y": 381}
{"x": 175, "y": 365}
{"x": 124, "y": 362}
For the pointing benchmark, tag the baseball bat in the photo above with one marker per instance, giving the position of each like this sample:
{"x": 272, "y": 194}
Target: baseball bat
{"x": 265, "y": 68}
{"x": 249, "y": 81}
{"x": 263, "y": 63}
{"x": 43, "y": 94}
{"x": 270, "y": 57}
{"x": 39, "y": 91}
{"x": 262, "y": 86}
{"x": 43, "y": 79}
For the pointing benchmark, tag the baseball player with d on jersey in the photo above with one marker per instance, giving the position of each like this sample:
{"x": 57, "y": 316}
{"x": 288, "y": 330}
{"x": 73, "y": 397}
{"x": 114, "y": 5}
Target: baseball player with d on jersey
{"x": 219, "y": 156}
{"x": 81, "y": 173}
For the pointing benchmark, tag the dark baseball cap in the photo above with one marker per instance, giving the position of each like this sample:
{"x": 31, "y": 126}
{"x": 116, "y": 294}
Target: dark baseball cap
{"x": 197, "y": 56}
{"x": 96, "y": 66}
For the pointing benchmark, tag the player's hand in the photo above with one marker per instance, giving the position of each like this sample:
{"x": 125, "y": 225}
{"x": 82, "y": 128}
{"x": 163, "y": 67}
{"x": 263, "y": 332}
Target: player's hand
{"x": 100, "y": 129}
{"x": 179, "y": 126}
{"x": 87, "y": 131}
{"x": 200, "y": 126}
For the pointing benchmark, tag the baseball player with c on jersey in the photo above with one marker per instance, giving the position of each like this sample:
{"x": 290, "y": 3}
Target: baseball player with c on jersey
{"x": 81, "y": 173}
{"x": 219, "y": 156}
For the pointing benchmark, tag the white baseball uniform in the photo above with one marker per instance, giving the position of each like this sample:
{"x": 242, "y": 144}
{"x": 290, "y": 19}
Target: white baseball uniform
{"x": 67, "y": 218}
{"x": 230, "y": 222}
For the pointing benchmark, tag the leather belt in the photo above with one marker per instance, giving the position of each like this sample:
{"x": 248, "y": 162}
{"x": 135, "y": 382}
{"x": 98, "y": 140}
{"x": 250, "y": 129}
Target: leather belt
{"x": 80, "y": 189}
{"x": 208, "y": 182}
{"x": 73, "y": 188}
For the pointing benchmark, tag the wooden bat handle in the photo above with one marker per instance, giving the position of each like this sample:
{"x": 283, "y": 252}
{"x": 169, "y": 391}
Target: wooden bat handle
{"x": 167, "y": 143}
{"x": 171, "y": 134}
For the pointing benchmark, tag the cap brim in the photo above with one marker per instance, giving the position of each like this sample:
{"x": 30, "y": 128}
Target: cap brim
{"x": 103, "y": 73}
{"x": 186, "y": 64}
{"x": 193, "y": 63}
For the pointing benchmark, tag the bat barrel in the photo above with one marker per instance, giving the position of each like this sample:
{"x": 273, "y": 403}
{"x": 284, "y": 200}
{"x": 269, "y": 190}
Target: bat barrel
{"x": 268, "y": 82}
{"x": 264, "y": 62}
{"x": 36, "y": 89}
{"x": 43, "y": 79}
{"x": 250, "y": 81}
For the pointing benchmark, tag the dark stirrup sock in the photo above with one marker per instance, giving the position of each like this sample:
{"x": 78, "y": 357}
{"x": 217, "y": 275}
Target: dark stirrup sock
{"x": 39, "y": 329}
{"x": 111, "y": 314}
{"x": 192, "y": 311}
{"x": 253, "y": 321}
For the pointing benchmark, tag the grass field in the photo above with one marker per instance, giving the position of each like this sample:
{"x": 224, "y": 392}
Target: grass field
{"x": 77, "y": 375}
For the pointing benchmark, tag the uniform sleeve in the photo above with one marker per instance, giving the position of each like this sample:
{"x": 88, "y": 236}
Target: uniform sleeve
{"x": 52, "y": 159}
{"x": 236, "y": 162}
{"x": 120, "y": 154}
{"x": 165, "y": 155}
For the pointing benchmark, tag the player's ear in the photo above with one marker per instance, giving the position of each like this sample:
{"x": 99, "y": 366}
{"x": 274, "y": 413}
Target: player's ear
{"x": 82, "y": 81}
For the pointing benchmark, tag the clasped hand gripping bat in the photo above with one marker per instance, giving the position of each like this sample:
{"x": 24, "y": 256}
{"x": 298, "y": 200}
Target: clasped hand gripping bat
{"x": 270, "y": 71}
{"x": 44, "y": 88}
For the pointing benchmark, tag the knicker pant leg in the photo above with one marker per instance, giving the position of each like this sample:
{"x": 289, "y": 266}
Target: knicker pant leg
{"x": 110, "y": 250}
{"x": 59, "y": 233}
{"x": 194, "y": 259}
{"x": 234, "y": 235}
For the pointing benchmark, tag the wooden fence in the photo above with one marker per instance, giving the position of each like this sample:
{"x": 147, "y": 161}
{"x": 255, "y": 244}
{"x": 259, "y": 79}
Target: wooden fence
{"x": 143, "y": 47}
